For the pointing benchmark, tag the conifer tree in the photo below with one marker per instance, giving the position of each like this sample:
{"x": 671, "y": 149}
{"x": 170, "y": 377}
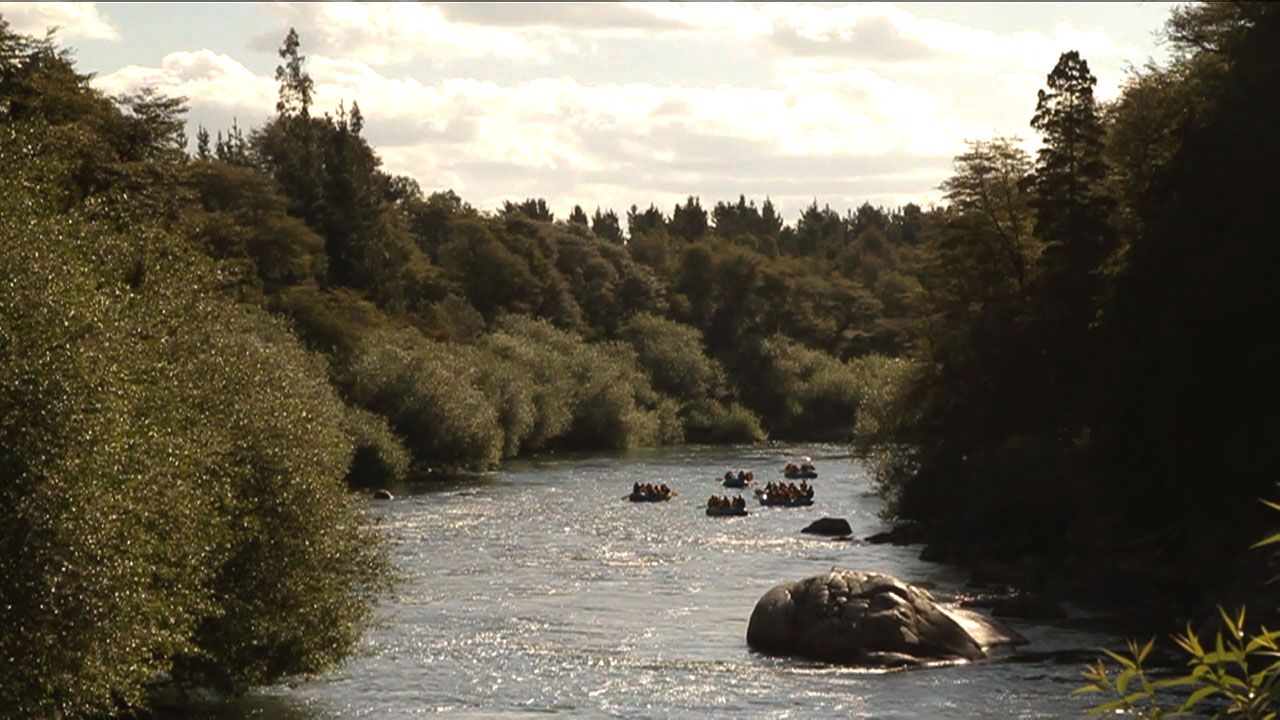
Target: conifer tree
{"x": 1071, "y": 202}
{"x": 296, "y": 85}
{"x": 202, "y": 143}
{"x": 606, "y": 225}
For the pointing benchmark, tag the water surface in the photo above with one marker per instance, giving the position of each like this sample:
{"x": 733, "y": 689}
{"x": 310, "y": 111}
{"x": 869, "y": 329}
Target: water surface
{"x": 538, "y": 590}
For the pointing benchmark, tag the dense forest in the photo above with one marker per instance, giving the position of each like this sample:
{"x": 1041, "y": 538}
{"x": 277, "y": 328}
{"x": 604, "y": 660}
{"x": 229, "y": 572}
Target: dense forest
{"x": 1094, "y": 380}
{"x": 204, "y": 345}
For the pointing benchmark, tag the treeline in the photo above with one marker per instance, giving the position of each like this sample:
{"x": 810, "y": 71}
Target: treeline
{"x": 1095, "y": 380}
{"x": 201, "y": 351}
{"x": 479, "y": 336}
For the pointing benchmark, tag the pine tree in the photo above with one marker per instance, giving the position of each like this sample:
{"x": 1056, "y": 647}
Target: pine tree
{"x": 644, "y": 221}
{"x": 356, "y": 118}
{"x": 606, "y": 225}
{"x": 578, "y": 216}
{"x": 1071, "y": 202}
{"x": 1073, "y": 220}
{"x": 689, "y": 221}
{"x": 202, "y": 144}
{"x": 296, "y": 85}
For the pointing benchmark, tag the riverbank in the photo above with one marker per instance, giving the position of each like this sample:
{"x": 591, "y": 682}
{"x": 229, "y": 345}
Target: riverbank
{"x": 1141, "y": 590}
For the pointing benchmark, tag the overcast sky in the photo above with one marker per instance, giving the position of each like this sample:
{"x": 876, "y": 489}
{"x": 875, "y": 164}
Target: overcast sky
{"x": 614, "y": 104}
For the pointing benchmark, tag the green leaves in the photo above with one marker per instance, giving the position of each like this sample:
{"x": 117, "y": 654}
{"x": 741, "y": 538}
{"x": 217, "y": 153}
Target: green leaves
{"x": 1241, "y": 672}
{"x": 171, "y": 464}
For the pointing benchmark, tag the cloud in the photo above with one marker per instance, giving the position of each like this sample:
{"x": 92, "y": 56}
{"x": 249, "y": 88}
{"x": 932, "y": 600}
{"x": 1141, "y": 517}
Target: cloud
{"x": 609, "y": 144}
{"x": 393, "y": 33}
{"x": 206, "y": 77}
{"x": 585, "y": 16}
{"x": 74, "y": 20}
{"x": 850, "y": 102}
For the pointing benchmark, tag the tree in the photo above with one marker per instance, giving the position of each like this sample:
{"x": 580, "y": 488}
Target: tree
{"x": 295, "y": 84}
{"x": 605, "y": 225}
{"x": 233, "y": 149}
{"x": 647, "y": 221}
{"x": 689, "y": 221}
{"x": 155, "y": 127}
{"x": 992, "y": 221}
{"x": 578, "y": 216}
{"x": 1071, "y": 202}
{"x": 356, "y": 118}
{"x": 202, "y": 144}
{"x": 532, "y": 208}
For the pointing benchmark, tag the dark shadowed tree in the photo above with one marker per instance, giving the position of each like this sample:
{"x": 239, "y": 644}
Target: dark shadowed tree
{"x": 202, "y": 144}
{"x": 606, "y": 226}
{"x": 1071, "y": 200}
{"x": 296, "y": 85}
{"x": 532, "y": 208}
{"x": 649, "y": 220}
{"x": 689, "y": 221}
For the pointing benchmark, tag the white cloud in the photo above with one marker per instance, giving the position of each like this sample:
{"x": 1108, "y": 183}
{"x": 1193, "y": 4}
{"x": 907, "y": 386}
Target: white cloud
{"x": 206, "y": 77}
{"x": 390, "y": 33}
{"x": 74, "y": 20}
{"x": 856, "y": 102}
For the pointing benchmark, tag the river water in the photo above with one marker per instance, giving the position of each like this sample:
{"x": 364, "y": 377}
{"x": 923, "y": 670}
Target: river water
{"x": 537, "y": 590}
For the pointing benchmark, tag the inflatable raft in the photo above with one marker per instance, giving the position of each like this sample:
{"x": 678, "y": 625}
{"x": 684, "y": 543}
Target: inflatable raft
{"x": 779, "y": 501}
{"x": 726, "y": 512}
{"x": 645, "y": 497}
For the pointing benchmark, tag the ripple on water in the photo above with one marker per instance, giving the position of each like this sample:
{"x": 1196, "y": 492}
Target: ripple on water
{"x": 537, "y": 590}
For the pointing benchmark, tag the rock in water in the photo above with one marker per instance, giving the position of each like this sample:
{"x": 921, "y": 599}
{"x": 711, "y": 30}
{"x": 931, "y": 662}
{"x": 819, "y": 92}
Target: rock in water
{"x": 829, "y": 526}
{"x": 862, "y": 618}
{"x": 383, "y": 495}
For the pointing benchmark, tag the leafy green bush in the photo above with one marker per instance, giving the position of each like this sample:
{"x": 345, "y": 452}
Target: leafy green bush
{"x": 610, "y": 402}
{"x": 673, "y": 356}
{"x": 379, "y": 457}
{"x": 429, "y": 393}
{"x": 171, "y": 467}
{"x": 806, "y": 393}
{"x": 712, "y": 422}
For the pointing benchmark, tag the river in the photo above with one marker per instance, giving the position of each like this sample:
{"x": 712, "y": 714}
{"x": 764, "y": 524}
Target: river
{"x": 537, "y": 590}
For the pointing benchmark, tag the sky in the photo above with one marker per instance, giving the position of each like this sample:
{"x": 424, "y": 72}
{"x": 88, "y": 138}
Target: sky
{"x": 610, "y": 105}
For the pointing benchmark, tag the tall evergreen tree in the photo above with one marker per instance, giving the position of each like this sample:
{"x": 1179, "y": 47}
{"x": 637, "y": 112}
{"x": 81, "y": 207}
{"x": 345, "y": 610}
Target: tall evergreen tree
{"x": 202, "y": 144}
{"x": 639, "y": 221}
{"x": 296, "y": 85}
{"x": 356, "y": 118}
{"x": 1071, "y": 201}
{"x": 689, "y": 221}
{"x": 606, "y": 225}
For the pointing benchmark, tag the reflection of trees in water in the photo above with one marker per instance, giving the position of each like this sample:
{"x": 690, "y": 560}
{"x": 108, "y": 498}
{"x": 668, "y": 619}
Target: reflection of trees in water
{"x": 262, "y": 707}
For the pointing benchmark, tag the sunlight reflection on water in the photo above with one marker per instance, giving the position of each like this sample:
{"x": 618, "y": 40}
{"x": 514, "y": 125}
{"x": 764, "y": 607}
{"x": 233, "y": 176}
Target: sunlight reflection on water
{"x": 538, "y": 590}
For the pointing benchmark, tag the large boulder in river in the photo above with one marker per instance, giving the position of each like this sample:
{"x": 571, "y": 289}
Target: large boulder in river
{"x": 863, "y": 618}
{"x": 829, "y": 526}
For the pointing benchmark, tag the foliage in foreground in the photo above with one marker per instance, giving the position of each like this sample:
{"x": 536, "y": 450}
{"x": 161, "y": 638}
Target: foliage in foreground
{"x": 1238, "y": 676}
{"x": 172, "y": 502}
